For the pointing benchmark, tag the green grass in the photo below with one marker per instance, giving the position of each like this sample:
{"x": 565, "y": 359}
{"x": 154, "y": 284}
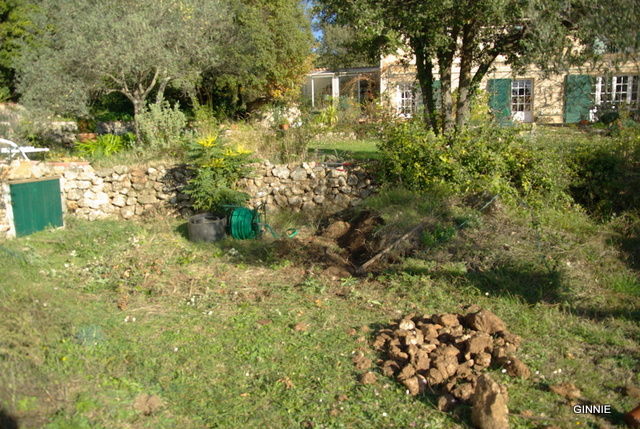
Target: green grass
{"x": 238, "y": 334}
{"x": 344, "y": 149}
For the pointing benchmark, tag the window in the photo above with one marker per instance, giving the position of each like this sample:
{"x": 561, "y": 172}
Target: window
{"x": 406, "y": 101}
{"x": 616, "y": 90}
{"x": 520, "y": 96}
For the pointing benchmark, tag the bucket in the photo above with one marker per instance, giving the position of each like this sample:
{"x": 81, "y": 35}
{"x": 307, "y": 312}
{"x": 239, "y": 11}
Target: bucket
{"x": 207, "y": 227}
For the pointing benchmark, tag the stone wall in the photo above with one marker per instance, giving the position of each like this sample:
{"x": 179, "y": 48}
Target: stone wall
{"x": 131, "y": 192}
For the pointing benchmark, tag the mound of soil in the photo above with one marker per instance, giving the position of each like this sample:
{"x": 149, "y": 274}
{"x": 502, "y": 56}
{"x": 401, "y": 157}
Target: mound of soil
{"x": 340, "y": 247}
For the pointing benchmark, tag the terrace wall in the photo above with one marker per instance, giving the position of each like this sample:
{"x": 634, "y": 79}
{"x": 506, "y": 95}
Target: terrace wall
{"x": 132, "y": 192}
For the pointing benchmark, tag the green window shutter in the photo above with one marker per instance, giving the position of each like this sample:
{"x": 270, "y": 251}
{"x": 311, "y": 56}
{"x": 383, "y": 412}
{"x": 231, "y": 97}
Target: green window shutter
{"x": 500, "y": 99}
{"x": 36, "y": 205}
{"x": 577, "y": 97}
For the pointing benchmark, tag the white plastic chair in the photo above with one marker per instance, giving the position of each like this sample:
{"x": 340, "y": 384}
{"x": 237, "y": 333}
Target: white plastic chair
{"x": 14, "y": 149}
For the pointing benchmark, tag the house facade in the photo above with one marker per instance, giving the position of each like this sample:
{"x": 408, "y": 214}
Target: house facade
{"x": 582, "y": 94}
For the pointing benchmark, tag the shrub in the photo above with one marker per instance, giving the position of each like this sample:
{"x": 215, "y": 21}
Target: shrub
{"x": 216, "y": 167}
{"x": 607, "y": 172}
{"x": 105, "y": 145}
{"x": 488, "y": 158}
{"x": 161, "y": 126}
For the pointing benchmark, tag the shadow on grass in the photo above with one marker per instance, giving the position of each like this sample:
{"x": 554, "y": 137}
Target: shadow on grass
{"x": 7, "y": 421}
{"x": 183, "y": 230}
{"x": 531, "y": 283}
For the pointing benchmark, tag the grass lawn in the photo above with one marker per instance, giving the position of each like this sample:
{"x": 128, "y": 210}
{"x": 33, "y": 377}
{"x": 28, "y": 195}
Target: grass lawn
{"x": 344, "y": 149}
{"x": 121, "y": 324}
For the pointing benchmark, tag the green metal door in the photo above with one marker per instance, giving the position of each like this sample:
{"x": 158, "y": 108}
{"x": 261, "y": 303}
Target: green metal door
{"x": 36, "y": 205}
{"x": 500, "y": 99}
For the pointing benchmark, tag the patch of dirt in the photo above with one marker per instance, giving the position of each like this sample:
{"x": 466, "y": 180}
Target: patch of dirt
{"x": 147, "y": 404}
{"x": 340, "y": 247}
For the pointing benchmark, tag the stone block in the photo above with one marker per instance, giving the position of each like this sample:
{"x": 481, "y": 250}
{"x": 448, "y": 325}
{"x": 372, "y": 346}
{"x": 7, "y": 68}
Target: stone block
{"x": 298, "y": 174}
{"x": 281, "y": 171}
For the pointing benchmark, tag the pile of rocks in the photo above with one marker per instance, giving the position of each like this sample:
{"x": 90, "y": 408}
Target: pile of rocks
{"x": 448, "y": 351}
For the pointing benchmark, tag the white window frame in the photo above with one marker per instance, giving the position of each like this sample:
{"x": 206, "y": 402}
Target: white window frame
{"x": 521, "y": 95}
{"x": 616, "y": 90}
{"x": 406, "y": 100}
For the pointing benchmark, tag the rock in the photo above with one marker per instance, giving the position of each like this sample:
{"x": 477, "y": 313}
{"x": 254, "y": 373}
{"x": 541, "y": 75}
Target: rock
{"x": 415, "y": 385}
{"x": 446, "y": 319}
{"x": 464, "y": 392}
{"x": 421, "y": 361}
{"x": 485, "y": 321}
{"x": 390, "y": 368}
{"x": 482, "y": 360}
{"x": 298, "y": 174}
{"x": 489, "y": 409}
{"x": 147, "y": 198}
{"x": 74, "y": 194}
{"x": 446, "y": 403}
{"x": 516, "y": 368}
{"x": 407, "y": 324}
{"x": 281, "y": 172}
{"x": 430, "y": 333}
{"x": 448, "y": 365}
{"x": 362, "y": 362}
{"x": 479, "y": 343}
{"x": 368, "y": 378}
{"x": 567, "y": 390}
{"x": 336, "y": 230}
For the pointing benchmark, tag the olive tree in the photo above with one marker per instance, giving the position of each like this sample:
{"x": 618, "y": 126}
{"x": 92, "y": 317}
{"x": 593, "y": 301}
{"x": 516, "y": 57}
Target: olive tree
{"x": 135, "y": 47}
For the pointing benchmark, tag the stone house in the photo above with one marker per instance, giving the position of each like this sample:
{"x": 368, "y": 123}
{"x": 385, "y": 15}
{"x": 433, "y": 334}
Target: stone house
{"x": 581, "y": 94}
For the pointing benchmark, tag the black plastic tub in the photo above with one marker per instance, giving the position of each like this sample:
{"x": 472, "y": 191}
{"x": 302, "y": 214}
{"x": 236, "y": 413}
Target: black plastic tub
{"x": 207, "y": 227}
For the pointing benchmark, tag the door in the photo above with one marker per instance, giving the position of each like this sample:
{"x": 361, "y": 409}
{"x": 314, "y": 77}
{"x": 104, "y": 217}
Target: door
{"x": 522, "y": 100}
{"x": 36, "y": 205}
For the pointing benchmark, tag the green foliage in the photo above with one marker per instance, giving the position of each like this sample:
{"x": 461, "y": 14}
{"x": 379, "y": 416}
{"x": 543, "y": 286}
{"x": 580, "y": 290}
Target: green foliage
{"x": 114, "y": 116}
{"x": 105, "y": 145}
{"x": 267, "y": 55}
{"x": 342, "y": 46}
{"x": 606, "y": 172}
{"x": 489, "y": 158}
{"x": 161, "y": 126}
{"x": 133, "y": 47}
{"x": 328, "y": 116}
{"x": 216, "y": 167}
{"x": 16, "y": 32}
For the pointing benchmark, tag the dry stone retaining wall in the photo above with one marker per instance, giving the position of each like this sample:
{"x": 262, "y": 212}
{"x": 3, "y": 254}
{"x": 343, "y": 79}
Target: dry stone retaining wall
{"x": 130, "y": 192}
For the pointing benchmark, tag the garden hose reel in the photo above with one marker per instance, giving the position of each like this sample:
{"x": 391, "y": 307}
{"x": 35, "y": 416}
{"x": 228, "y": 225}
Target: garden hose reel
{"x": 245, "y": 223}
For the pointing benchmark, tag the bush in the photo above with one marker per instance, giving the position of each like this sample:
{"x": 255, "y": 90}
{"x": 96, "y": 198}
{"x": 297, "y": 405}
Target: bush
{"x": 488, "y": 158}
{"x": 161, "y": 126}
{"x": 216, "y": 167}
{"x": 607, "y": 172}
{"x": 105, "y": 145}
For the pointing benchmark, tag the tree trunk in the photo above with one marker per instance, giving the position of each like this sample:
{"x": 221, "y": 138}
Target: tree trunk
{"x": 445, "y": 61}
{"x": 463, "y": 106}
{"x": 424, "y": 68}
{"x": 138, "y": 108}
{"x": 163, "y": 85}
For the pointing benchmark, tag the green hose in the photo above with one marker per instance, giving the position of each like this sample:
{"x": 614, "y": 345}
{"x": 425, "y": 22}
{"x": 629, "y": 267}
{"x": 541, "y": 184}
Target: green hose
{"x": 242, "y": 225}
{"x": 245, "y": 224}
